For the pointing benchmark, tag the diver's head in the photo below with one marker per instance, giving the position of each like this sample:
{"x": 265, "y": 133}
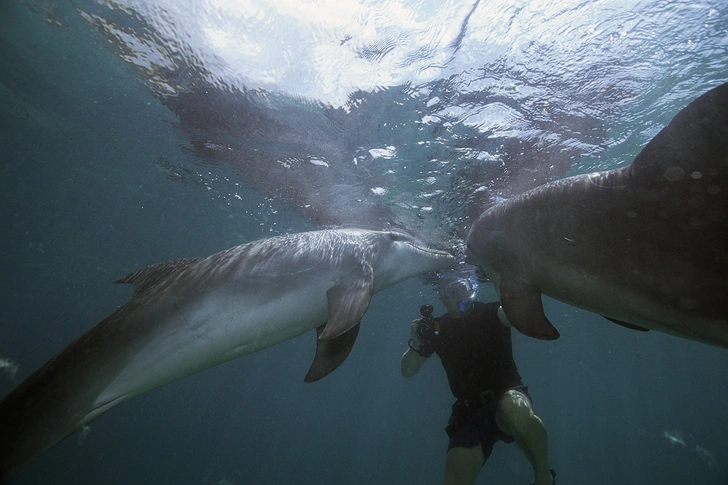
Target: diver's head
{"x": 458, "y": 295}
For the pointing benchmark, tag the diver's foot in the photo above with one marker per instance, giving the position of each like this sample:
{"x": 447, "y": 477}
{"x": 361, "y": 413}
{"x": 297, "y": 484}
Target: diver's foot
{"x": 547, "y": 480}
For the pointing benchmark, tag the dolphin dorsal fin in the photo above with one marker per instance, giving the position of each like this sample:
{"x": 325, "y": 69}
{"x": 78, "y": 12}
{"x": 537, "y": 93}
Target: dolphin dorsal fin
{"x": 694, "y": 141}
{"x": 146, "y": 277}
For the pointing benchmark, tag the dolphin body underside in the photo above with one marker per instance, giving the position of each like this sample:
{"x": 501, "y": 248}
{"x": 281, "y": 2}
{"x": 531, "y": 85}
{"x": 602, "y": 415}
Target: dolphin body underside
{"x": 645, "y": 245}
{"x": 188, "y": 315}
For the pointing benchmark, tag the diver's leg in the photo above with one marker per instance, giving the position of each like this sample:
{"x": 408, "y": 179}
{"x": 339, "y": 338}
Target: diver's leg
{"x": 516, "y": 418}
{"x": 463, "y": 465}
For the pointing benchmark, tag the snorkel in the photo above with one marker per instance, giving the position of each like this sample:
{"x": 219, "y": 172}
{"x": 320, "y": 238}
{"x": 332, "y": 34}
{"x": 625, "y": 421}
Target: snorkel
{"x": 465, "y": 304}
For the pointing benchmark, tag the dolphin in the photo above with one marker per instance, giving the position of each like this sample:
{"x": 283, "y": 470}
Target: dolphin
{"x": 645, "y": 245}
{"x": 187, "y": 315}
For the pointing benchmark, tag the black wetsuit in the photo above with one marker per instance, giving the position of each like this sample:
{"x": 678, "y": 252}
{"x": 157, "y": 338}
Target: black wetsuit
{"x": 476, "y": 352}
{"x": 477, "y": 356}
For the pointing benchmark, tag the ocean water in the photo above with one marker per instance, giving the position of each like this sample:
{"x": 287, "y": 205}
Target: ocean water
{"x": 136, "y": 132}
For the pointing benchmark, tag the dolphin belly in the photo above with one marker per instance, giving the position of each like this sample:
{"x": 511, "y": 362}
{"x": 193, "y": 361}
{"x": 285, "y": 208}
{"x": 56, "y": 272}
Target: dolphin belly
{"x": 221, "y": 326}
{"x": 639, "y": 304}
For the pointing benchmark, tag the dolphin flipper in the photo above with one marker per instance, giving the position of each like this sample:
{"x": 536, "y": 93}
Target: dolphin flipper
{"x": 330, "y": 353}
{"x": 348, "y": 299}
{"x": 627, "y": 325}
{"x": 522, "y": 305}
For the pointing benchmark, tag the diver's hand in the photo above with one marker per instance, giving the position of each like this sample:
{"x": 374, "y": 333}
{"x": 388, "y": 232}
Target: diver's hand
{"x": 412, "y": 359}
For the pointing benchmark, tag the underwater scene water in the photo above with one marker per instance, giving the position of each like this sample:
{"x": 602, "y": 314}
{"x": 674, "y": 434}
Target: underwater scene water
{"x": 139, "y": 131}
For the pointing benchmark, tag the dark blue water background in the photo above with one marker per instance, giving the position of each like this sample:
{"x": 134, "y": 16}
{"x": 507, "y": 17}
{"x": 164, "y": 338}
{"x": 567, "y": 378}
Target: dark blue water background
{"x": 100, "y": 177}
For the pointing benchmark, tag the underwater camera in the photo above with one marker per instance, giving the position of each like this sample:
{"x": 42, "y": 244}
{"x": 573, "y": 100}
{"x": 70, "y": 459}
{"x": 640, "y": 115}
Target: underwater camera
{"x": 428, "y": 325}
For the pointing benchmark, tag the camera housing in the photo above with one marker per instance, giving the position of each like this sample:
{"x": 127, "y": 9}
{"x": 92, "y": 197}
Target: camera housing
{"x": 428, "y": 325}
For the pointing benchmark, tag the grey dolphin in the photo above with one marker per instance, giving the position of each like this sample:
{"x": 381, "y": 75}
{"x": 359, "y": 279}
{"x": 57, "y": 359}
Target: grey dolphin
{"x": 644, "y": 245}
{"x": 188, "y": 315}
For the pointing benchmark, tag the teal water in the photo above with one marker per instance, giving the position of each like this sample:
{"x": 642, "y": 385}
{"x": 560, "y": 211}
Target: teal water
{"x": 102, "y": 173}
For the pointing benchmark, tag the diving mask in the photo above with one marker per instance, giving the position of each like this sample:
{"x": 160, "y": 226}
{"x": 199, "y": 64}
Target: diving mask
{"x": 461, "y": 291}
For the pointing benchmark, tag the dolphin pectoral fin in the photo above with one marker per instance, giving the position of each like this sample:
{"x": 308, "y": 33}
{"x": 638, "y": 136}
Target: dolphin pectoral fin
{"x": 348, "y": 301}
{"x": 330, "y": 353}
{"x": 627, "y": 325}
{"x": 522, "y": 305}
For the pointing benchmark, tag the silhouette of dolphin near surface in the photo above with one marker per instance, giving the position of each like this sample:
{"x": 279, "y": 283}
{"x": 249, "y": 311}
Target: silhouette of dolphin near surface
{"x": 190, "y": 314}
{"x": 644, "y": 245}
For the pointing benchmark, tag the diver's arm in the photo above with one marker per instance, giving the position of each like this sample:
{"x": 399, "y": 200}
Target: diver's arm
{"x": 412, "y": 360}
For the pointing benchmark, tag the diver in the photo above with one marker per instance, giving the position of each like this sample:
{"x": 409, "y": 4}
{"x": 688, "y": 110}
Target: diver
{"x": 492, "y": 403}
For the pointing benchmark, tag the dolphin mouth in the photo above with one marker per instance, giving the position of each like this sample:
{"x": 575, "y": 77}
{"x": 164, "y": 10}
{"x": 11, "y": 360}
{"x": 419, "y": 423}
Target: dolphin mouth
{"x": 429, "y": 250}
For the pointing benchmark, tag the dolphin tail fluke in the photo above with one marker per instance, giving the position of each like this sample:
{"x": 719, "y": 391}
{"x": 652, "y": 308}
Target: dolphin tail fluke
{"x": 522, "y": 305}
{"x": 330, "y": 353}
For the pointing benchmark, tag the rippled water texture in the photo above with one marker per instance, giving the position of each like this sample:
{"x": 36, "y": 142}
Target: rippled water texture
{"x": 418, "y": 108}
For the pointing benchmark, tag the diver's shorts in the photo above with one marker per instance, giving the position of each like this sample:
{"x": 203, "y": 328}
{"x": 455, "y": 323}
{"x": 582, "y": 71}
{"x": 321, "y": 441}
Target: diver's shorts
{"x": 480, "y": 426}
